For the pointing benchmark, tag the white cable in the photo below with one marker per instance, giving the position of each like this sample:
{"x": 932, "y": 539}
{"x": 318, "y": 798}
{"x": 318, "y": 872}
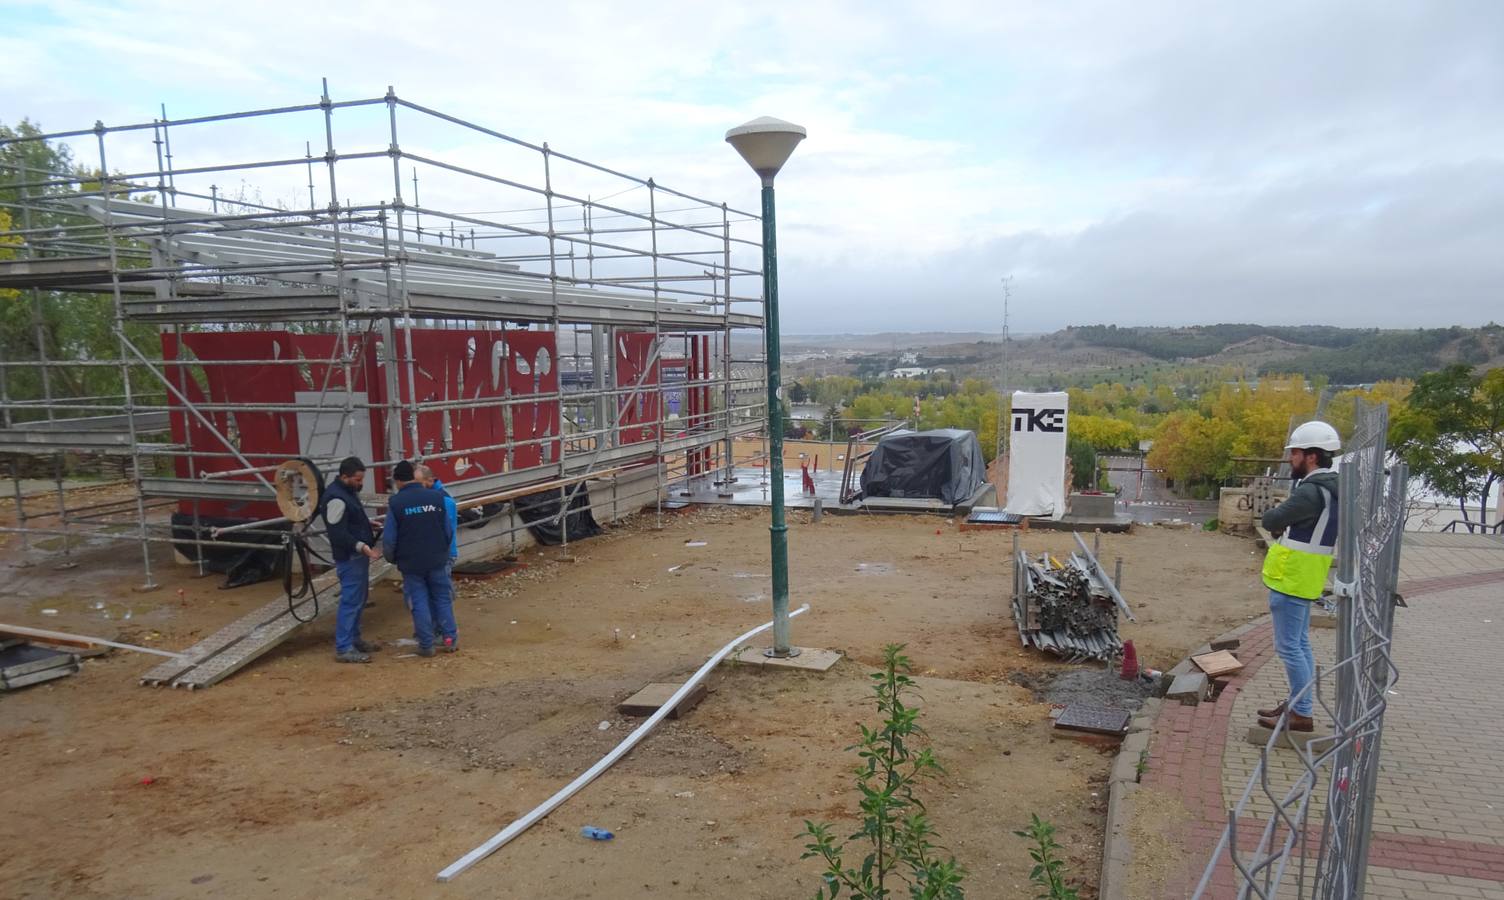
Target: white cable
{"x": 500, "y": 839}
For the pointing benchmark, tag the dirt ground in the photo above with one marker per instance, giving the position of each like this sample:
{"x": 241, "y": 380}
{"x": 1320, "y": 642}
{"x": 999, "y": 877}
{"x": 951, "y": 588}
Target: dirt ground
{"x": 299, "y": 777}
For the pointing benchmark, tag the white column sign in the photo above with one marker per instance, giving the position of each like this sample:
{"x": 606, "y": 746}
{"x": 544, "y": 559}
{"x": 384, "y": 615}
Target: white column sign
{"x": 1036, "y": 465}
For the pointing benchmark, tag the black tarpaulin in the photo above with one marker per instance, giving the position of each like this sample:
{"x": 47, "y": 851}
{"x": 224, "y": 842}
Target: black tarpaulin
{"x": 944, "y": 464}
{"x": 540, "y": 512}
{"x": 239, "y": 565}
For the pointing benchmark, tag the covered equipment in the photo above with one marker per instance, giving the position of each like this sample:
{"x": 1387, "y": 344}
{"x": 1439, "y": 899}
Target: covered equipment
{"x": 945, "y": 464}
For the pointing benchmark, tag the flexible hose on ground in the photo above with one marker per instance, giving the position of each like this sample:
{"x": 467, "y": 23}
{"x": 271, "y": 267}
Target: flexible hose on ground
{"x": 500, "y": 839}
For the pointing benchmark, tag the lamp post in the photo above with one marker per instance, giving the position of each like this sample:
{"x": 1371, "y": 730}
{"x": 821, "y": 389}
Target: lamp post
{"x": 766, "y": 144}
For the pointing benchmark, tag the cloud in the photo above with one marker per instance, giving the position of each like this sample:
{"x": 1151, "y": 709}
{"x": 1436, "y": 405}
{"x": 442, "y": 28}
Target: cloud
{"x": 1145, "y": 162}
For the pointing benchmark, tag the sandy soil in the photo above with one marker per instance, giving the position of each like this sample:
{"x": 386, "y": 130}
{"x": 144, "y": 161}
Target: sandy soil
{"x": 299, "y": 777}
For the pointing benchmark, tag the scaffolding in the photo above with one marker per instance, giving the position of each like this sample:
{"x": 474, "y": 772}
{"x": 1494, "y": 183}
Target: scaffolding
{"x": 274, "y": 287}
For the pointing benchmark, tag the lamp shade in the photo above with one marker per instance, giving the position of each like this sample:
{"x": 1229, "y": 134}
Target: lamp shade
{"x": 766, "y": 143}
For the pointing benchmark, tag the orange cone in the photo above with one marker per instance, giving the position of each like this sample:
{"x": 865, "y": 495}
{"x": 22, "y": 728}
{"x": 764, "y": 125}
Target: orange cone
{"x": 1130, "y": 662}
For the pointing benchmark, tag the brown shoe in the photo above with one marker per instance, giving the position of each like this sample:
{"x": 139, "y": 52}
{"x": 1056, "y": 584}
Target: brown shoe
{"x": 1296, "y": 722}
{"x": 1275, "y": 712}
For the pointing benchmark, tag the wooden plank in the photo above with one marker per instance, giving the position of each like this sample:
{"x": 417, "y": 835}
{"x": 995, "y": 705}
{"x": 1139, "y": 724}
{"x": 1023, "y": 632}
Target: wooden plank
{"x": 1218, "y": 662}
{"x": 652, "y": 697}
{"x": 80, "y": 641}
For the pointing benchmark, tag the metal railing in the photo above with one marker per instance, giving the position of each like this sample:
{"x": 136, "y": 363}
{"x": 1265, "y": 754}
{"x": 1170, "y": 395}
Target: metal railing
{"x": 1311, "y": 838}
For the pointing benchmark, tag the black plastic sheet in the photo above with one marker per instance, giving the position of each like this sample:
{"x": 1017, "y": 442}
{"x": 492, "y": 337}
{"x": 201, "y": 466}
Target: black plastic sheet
{"x": 540, "y": 512}
{"x": 944, "y": 464}
{"x": 239, "y": 565}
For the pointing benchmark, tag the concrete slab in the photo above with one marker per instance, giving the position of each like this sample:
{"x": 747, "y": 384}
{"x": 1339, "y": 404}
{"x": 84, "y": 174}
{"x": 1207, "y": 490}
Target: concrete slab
{"x": 810, "y": 659}
{"x": 1290, "y": 740}
{"x": 652, "y": 697}
{"x": 1190, "y": 688}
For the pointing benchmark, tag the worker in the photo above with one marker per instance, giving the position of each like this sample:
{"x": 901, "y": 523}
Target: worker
{"x": 352, "y": 541}
{"x": 416, "y": 539}
{"x": 452, "y": 514}
{"x": 451, "y": 510}
{"x": 1304, "y": 528}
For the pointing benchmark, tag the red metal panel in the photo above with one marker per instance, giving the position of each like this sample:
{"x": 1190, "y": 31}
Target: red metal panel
{"x": 533, "y": 370}
{"x": 450, "y": 366}
{"x": 639, "y": 411}
{"x": 263, "y": 438}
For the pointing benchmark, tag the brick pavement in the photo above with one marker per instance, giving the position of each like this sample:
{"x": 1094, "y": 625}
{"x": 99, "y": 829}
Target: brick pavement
{"x": 1439, "y": 819}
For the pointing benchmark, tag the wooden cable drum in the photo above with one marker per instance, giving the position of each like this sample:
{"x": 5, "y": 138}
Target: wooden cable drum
{"x": 299, "y": 486}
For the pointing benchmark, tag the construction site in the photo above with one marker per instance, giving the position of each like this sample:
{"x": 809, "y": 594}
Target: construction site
{"x": 579, "y": 354}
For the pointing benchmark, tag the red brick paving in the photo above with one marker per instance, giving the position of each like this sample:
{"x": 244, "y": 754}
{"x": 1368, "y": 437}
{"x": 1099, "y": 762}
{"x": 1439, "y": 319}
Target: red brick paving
{"x": 1185, "y": 759}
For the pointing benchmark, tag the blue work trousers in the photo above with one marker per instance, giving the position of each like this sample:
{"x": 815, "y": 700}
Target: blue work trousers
{"x": 354, "y": 588}
{"x": 1292, "y": 641}
{"x": 430, "y": 598}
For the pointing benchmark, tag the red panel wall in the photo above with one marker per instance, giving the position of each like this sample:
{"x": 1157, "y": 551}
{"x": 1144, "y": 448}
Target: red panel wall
{"x": 448, "y": 366}
{"x": 639, "y": 412}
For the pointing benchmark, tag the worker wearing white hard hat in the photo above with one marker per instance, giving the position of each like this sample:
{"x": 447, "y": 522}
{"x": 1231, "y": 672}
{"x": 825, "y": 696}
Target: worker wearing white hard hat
{"x": 1297, "y": 564}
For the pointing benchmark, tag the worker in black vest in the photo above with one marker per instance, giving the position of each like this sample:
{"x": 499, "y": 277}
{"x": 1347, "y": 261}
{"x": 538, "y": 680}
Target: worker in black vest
{"x": 416, "y": 538}
{"x": 352, "y": 541}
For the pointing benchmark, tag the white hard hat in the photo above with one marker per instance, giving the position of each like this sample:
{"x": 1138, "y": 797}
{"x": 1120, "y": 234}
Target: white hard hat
{"x": 1314, "y": 434}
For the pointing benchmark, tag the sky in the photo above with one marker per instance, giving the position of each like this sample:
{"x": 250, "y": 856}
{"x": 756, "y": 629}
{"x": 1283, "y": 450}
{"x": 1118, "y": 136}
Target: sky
{"x": 1145, "y": 163}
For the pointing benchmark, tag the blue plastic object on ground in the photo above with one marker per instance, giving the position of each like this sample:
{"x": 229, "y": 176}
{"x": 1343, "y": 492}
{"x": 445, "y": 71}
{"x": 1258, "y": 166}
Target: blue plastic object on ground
{"x": 596, "y": 834}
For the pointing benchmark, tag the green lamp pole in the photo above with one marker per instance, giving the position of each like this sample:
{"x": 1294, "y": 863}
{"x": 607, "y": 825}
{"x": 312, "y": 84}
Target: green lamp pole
{"x": 766, "y": 144}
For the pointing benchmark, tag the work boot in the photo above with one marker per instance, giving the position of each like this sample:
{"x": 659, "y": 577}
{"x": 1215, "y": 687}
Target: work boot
{"x": 451, "y": 645}
{"x": 1296, "y": 722}
{"x": 426, "y": 651}
{"x": 352, "y": 656}
{"x": 367, "y": 646}
{"x": 1275, "y": 712}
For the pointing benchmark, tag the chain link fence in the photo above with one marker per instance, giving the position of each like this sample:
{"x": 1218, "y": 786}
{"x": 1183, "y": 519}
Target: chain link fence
{"x": 1310, "y": 838}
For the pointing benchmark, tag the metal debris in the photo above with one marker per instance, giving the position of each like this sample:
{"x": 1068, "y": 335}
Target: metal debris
{"x": 1069, "y": 608}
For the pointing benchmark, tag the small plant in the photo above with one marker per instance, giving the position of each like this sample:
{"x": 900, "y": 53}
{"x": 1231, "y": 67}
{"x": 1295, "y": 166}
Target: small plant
{"x": 894, "y": 822}
{"x": 1142, "y": 765}
{"x": 1049, "y": 869}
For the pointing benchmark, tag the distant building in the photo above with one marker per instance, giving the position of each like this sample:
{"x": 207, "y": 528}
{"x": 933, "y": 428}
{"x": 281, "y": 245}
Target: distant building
{"x": 912, "y": 372}
{"x": 908, "y": 359}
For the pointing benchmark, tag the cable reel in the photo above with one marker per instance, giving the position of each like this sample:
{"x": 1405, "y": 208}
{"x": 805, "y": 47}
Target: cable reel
{"x": 300, "y": 486}
{"x": 300, "y": 490}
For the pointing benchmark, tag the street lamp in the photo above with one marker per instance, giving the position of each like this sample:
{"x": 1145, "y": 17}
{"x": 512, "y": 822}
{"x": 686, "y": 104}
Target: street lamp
{"x": 766, "y": 144}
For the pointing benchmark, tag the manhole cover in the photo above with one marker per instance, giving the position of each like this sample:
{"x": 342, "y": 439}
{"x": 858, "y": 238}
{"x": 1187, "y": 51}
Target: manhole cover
{"x": 1096, "y": 719}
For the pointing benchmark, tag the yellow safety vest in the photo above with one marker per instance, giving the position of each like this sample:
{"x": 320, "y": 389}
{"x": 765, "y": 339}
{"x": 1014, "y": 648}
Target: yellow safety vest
{"x": 1299, "y": 560}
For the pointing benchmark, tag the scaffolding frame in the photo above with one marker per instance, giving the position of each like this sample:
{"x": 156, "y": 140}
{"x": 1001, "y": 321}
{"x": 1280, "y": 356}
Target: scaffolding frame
{"x": 563, "y": 245}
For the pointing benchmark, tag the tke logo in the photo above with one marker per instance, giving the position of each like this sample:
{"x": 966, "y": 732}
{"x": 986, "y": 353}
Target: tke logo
{"x": 1039, "y": 420}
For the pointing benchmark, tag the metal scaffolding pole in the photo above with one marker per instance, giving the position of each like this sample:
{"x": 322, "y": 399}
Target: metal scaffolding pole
{"x": 196, "y": 265}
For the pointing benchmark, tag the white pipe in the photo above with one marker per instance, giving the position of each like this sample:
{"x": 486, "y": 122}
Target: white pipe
{"x": 500, "y": 839}
{"x": 78, "y": 639}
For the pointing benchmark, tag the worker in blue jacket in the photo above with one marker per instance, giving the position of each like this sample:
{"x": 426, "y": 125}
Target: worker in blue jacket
{"x": 352, "y": 541}
{"x": 452, "y": 513}
{"x": 416, "y": 539}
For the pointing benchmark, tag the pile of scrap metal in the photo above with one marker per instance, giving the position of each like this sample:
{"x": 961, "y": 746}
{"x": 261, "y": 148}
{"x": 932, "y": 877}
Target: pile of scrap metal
{"x": 1067, "y": 608}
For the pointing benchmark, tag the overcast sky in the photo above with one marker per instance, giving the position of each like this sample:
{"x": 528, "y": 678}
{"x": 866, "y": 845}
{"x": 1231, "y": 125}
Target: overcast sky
{"x": 1137, "y": 163}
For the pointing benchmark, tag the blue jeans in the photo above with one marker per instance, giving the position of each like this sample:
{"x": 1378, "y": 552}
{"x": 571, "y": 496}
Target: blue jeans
{"x": 430, "y": 598}
{"x": 1292, "y": 641}
{"x": 433, "y": 612}
{"x": 354, "y": 587}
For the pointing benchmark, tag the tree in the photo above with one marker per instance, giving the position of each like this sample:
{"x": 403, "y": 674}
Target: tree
{"x": 832, "y": 422}
{"x": 1105, "y": 433}
{"x": 797, "y": 393}
{"x": 1083, "y": 463}
{"x": 789, "y": 429}
{"x": 61, "y": 326}
{"x": 1451, "y": 434}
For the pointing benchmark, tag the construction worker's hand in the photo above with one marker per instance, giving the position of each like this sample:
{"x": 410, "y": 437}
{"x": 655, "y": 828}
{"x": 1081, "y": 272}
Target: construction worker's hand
{"x": 373, "y": 553}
